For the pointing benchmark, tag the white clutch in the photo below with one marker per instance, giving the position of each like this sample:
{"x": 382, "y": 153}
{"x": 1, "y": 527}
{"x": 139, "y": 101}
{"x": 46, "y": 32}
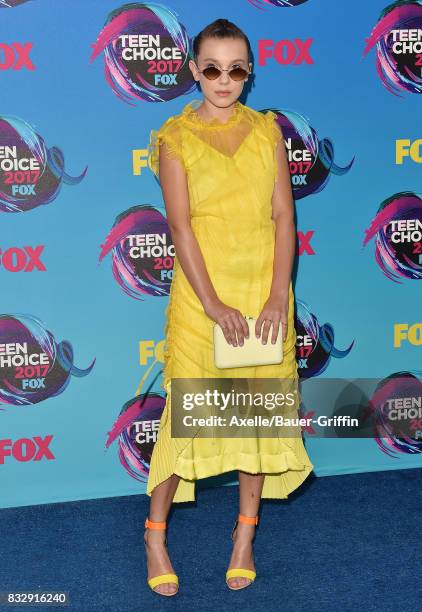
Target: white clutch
{"x": 252, "y": 353}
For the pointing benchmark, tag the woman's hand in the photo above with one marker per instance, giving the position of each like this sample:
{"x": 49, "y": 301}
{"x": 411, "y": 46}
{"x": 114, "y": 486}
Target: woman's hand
{"x": 231, "y": 321}
{"x": 274, "y": 312}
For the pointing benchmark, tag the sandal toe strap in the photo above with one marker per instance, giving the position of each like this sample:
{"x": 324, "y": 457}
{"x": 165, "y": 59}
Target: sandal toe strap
{"x": 240, "y": 572}
{"x": 163, "y": 579}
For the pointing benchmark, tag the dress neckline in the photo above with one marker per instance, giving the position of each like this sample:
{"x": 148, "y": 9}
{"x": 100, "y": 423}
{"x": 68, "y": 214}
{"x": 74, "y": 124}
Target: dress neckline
{"x": 190, "y": 114}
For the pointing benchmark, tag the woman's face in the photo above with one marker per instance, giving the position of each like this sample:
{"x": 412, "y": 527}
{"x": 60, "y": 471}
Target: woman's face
{"x": 222, "y": 53}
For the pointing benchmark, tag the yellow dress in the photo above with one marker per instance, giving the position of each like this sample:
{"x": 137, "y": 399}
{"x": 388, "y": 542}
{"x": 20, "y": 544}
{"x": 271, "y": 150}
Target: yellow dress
{"x": 231, "y": 170}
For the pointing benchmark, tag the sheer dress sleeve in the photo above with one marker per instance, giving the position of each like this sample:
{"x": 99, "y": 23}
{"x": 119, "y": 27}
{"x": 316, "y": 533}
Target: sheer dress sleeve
{"x": 170, "y": 134}
{"x": 274, "y": 133}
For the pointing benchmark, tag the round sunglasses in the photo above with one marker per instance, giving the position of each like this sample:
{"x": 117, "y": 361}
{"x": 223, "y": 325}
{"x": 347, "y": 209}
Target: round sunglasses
{"x": 212, "y": 73}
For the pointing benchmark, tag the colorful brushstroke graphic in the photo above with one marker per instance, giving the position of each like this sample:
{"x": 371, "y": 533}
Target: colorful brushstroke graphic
{"x": 146, "y": 53}
{"x": 396, "y": 37}
{"x": 31, "y": 174}
{"x": 315, "y": 346}
{"x": 142, "y": 252}
{"x": 11, "y": 3}
{"x": 136, "y": 430}
{"x": 33, "y": 366}
{"x": 397, "y": 230}
{"x": 405, "y": 436}
{"x": 277, "y": 3}
{"x": 311, "y": 161}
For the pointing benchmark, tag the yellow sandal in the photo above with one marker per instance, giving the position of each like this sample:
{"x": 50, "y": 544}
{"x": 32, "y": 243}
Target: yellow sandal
{"x": 162, "y": 578}
{"x": 241, "y": 572}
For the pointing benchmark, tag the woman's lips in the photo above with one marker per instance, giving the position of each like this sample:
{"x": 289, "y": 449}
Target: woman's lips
{"x": 223, "y": 93}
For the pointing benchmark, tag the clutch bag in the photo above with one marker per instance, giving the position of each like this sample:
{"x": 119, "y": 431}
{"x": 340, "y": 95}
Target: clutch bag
{"x": 252, "y": 353}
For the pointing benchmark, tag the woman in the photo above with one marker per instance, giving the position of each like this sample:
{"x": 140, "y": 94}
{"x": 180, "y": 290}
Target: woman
{"x": 225, "y": 181}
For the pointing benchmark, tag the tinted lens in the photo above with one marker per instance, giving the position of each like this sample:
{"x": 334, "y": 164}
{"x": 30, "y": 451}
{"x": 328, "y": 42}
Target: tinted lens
{"x": 238, "y": 74}
{"x": 211, "y": 72}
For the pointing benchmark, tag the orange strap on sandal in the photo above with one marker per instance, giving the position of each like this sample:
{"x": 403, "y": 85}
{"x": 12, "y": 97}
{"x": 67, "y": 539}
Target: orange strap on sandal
{"x": 249, "y": 520}
{"x": 242, "y": 572}
{"x": 162, "y": 578}
{"x": 154, "y": 524}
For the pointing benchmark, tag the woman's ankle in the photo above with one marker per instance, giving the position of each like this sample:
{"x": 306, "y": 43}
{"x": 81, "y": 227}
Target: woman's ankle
{"x": 154, "y": 537}
{"x": 244, "y": 532}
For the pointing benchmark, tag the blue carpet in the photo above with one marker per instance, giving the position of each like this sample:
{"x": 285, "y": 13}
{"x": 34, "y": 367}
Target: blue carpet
{"x": 338, "y": 543}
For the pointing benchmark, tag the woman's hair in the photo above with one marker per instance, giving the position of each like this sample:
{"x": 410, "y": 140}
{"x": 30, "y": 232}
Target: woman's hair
{"x": 220, "y": 28}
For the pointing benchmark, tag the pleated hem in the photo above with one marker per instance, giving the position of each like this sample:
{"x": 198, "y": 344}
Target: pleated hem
{"x": 252, "y": 463}
{"x": 283, "y": 472}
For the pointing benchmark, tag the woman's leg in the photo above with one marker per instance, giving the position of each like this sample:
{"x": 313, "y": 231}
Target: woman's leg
{"x": 158, "y": 560}
{"x": 250, "y": 490}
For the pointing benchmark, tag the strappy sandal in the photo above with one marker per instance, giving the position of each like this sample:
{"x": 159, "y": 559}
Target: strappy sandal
{"x": 241, "y": 572}
{"x": 162, "y": 578}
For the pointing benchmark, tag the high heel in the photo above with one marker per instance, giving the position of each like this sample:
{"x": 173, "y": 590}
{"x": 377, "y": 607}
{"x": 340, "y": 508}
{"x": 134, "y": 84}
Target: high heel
{"x": 241, "y": 572}
{"x": 162, "y": 578}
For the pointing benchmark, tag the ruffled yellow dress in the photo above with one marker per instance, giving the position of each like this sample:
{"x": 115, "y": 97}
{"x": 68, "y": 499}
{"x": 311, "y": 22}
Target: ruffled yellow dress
{"x": 231, "y": 171}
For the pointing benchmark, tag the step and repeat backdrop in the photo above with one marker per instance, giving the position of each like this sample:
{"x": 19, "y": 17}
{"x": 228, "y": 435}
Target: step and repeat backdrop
{"x": 86, "y": 256}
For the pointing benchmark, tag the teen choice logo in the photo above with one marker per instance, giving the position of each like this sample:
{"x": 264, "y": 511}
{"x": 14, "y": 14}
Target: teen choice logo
{"x": 142, "y": 252}
{"x": 136, "y": 431}
{"x": 397, "y": 232}
{"x": 315, "y": 345}
{"x": 311, "y": 160}
{"x": 33, "y": 366}
{"x": 398, "y": 42}
{"x": 146, "y": 53}
{"x": 31, "y": 174}
{"x": 396, "y": 414}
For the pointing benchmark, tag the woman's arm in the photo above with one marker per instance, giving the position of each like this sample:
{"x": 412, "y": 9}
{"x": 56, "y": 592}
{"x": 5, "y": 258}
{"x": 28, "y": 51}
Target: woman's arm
{"x": 174, "y": 186}
{"x": 275, "y": 309}
{"x": 283, "y": 215}
{"x": 175, "y": 191}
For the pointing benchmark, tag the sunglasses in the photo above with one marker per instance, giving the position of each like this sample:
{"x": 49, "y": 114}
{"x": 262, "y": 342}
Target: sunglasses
{"x": 212, "y": 73}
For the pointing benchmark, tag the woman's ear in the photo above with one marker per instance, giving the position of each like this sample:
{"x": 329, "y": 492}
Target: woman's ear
{"x": 194, "y": 70}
